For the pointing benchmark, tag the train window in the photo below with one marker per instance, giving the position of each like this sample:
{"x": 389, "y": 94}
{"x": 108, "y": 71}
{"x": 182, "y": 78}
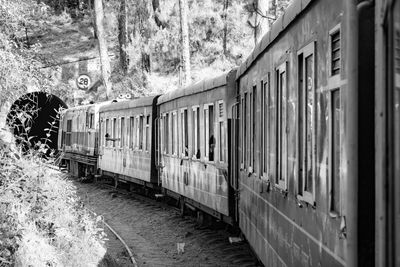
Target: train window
{"x": 114, "y": 132}
{"x": 122, "y": 142}
{"x": 107, "y": 131}
{"x": 196, "y": 133}
{"x": 265, "y": 125}
{"x": 242, "y": 132}
{"x": 209, "y": 138}
{"x": 282, "y": 155}
{"x": 184, "y": 130}
{"x": 221, "y": 132}
{"x": 245, "y": 128}
{"x": 335, "y": 52}
{"x": 253, "y": 128}
{"x": 68, "y": 134}
{"x": 131, "y": 131}
{"x": 335, "y": 152}
{"x": 306, "y": 182}
{"x": 102, "y": 133}
{"x": 141, "y": 118}
{"x": 166, "y": 134}
{"x": 174, "y": 138}
{"x": 148, "y": 141}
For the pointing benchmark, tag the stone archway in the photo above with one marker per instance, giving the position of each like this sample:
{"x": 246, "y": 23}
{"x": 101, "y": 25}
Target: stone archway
{"x": 34, "y": 117}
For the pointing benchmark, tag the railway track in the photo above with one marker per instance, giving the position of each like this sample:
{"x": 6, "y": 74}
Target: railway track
{"x": 153, "y": 230}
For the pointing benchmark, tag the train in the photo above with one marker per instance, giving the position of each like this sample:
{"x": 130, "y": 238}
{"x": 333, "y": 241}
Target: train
{"x": 299, "y": 147}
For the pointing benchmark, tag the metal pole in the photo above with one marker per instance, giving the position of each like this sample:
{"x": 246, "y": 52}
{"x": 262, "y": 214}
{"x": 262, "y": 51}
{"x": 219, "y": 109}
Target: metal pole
{"x": 352, "y": 133}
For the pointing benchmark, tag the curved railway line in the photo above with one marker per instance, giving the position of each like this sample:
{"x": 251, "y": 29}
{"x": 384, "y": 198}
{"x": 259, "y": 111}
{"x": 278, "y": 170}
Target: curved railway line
{"x": 152, "y": 230}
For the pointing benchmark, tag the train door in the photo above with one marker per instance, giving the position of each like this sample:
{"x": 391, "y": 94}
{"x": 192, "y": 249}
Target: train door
{"x": 233, "y": 143}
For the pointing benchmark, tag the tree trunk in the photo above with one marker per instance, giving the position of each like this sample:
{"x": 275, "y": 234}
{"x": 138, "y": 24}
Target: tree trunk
{"x": 225, "y": 17}
{"x": 185, "y": 41}
{"x": 104, "y": 59}
{"x": 123, "y": 37}
{"x": 156, "y": 9}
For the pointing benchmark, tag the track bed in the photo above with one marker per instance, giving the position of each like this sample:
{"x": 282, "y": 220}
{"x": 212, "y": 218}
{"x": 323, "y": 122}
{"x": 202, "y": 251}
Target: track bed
{"x": 152, "y": 230}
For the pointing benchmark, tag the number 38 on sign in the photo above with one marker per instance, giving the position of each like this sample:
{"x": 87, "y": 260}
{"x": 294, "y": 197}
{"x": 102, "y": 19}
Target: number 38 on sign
{"x": 83, "y": 81}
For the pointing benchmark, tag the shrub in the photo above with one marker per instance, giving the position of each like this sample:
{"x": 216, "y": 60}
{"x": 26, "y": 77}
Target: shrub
{"x": 42, "y": 221}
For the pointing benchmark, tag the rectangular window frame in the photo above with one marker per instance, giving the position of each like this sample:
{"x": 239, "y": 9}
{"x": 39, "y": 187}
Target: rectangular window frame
{"x": 147, "y": 133}
{"x": 196, "y": 153}
{"x": 332, "y": 211}
{"x": 184, "y": 130}
{"x": 122, "y": 131}
{"x": 174, "y": 132}
{"x": 264, "y": 126}
{"x": 281, "y": 180}
{"x": 114, "y": 131}
{"x": 207, "y": 131}
{"x": 221, "y": 133}
{"x": 303, "y": 194}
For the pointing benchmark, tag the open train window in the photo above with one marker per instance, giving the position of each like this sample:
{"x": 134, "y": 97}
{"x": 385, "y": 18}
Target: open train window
{"x": 209, "y": 136}
{"x": 252, "y": 138}
{"x": 242, "y": 122}
{"x": 122, "y": 133}
{"x": 148, "y": 141}
{"x": 166, "y": 133}
{"x": 68, "y": 134}
{"x": 306, "y": 123}
{"x": 131, "y": 131}
{"x": 281, "y": 153}
{"x": 221, "y": 132}
{"x": 174, "y": 133}
{"x": 266, "y": 123}
{"x": 140, "y": 132}
{"x": 107, "y": 132}
{"x": 196, "y": 132}
{"x": 245, "y": 127}
{"x": 335, "y": 170}
{"x": 114, "y": 131}
{"x": 184, "y": 133}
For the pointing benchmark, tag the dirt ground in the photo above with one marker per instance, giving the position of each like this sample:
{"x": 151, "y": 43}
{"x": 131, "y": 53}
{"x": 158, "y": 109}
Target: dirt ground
{"x": 152, "y": 230}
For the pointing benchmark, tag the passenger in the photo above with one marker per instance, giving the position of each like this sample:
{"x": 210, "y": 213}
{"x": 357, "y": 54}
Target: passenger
{"x": 211, "y": 150}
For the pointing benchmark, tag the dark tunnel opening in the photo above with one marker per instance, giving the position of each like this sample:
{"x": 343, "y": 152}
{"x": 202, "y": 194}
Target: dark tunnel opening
{"x": 35, "y": 117}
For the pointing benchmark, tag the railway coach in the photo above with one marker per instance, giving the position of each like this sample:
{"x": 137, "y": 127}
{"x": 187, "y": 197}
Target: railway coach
{"x": 78, "y": 139}
{"x": 127, "y": 141}
{"x": 193, "y": 145}
{"x": 296, "y": 166}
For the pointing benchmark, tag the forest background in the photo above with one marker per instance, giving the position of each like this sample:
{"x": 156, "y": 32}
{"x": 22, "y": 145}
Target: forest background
{"x": 144, "y": 42}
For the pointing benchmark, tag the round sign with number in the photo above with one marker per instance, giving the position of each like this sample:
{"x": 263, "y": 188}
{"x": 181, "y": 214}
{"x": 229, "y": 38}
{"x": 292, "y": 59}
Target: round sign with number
{"x": 83, "y": 81}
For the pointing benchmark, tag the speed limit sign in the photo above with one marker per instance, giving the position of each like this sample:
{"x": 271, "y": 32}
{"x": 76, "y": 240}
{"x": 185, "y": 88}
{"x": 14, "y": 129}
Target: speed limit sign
{"x": 83, "y": 81}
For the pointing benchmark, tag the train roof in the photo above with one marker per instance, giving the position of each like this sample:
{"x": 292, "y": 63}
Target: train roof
{"x": 127, "y": 104}
{"x": 198, "y": 87}
{"x": 295, "y": 8}
{"x": 85, "y": 107}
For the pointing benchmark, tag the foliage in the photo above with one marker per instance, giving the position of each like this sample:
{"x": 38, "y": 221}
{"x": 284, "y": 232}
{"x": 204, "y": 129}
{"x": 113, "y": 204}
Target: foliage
{"x": 42, "y": 222}
{"x": 20, "y": 68}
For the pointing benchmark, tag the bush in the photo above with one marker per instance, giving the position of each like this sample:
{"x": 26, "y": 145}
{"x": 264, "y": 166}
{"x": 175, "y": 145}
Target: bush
{"x": 42, "y": 221}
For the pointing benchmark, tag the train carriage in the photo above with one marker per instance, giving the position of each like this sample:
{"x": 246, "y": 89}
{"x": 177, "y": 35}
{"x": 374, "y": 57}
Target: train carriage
{"x": 193, "y": 144}
{"x": 77, "y": 140}
{"x": 127, "y": 133}
{"x": 291, "y": 156}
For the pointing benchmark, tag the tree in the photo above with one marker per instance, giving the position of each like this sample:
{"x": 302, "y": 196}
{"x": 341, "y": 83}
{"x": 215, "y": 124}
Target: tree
{"x": 185, "y": 57}
{"x": 123, "y": 37}
{"x": 104, "y": 59}
{"x": 225, "y": 16}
